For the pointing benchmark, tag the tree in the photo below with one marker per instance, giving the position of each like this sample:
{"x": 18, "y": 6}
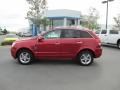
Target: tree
{"x": 36, "y": 11}
{"x": 117, "y": 22}
{"x": 5, "y": 31}
{"x": 45, "y": 23}
{"x": 90, "y": 21}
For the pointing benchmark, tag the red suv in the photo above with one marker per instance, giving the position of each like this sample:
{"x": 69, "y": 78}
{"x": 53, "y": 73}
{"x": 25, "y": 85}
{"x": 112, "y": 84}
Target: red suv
{"x": 59, "y": 44}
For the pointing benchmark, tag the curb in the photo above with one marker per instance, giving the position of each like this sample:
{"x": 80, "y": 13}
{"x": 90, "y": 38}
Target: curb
{"x": 5, "y": 46}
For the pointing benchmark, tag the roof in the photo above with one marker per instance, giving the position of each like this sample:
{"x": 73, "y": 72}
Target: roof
{"x": 74, "y": 28}
{"x": 62, "y": 13}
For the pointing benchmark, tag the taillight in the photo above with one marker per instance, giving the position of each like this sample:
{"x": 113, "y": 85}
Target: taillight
{"x": 98, "y": 43}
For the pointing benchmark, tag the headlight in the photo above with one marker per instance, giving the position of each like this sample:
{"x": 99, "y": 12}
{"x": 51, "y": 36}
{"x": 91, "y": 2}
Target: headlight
{"x": 13, "y": 44}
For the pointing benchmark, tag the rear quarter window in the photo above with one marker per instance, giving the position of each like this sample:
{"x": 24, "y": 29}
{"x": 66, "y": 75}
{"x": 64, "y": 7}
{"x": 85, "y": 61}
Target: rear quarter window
{"x": 93, "y": 34}
{"x": 85, "y": 34}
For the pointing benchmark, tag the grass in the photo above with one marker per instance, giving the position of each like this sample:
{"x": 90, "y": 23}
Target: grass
{"x": 4, "y": 45}
{"x": 9, "y": 42}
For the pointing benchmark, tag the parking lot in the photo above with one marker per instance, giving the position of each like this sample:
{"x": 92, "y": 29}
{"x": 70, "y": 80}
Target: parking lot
{"x": 104, "y": 74}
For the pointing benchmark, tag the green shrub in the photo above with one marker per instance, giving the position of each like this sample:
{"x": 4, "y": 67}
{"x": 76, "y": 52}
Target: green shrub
{"x": 7, "y": 42}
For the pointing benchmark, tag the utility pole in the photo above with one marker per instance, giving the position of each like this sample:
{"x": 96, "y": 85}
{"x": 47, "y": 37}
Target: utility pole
{"x": 107, "y": 11}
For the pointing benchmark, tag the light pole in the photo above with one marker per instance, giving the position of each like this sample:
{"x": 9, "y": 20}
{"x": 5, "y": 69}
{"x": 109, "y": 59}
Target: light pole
{"x": 107, "y": 12}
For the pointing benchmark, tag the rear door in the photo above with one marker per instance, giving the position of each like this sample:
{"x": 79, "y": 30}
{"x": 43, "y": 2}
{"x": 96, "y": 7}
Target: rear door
{"x": 70, "y": 43}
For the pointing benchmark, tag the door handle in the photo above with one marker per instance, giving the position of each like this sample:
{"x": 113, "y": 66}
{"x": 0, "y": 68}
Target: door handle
{"x": 79, "y": 42}
{"x": 57, "y": 43}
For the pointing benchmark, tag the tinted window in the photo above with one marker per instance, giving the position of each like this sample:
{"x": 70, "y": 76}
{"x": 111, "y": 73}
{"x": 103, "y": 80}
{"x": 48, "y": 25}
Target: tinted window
{"x": 75, "y": 34}
{"x": 85, "y": 34}
{"x": 113, "y": 32}
{"x": 53, "y": 34}
{"x": 104, "y": 32}
{"x": 67, "y": 33}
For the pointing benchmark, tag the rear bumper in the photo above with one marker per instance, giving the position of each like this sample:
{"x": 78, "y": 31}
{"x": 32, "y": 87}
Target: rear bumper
{"x": 98, "y": 52}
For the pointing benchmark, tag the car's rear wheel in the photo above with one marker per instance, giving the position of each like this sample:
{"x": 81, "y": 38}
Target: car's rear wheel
{"x": 85, "y": 58}
{"x": 25, "y": 57}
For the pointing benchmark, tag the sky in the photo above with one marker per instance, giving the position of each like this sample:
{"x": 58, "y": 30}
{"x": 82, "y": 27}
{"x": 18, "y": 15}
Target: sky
{"x": 13, "y": 12}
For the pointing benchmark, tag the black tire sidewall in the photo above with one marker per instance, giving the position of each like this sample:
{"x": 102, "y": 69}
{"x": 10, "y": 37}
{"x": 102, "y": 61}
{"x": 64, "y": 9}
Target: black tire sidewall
{"x": 31, "y": 57}
{"x": 80, "y": 54}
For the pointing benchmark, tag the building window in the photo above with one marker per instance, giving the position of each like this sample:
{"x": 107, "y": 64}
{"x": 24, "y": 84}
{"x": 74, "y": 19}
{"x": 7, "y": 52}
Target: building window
{"x": 58, "y": 22}
{"x": 70, "y": 22}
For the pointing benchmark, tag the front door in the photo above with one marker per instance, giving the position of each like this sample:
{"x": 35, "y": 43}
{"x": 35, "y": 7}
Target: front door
{"x": 49, "y": 47}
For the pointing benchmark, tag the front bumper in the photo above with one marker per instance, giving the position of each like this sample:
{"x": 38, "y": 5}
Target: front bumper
{"x": 13, "y": 52}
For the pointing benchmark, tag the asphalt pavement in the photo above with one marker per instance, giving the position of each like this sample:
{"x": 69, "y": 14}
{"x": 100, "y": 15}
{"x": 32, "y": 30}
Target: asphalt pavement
{"x": 103, "y": 74}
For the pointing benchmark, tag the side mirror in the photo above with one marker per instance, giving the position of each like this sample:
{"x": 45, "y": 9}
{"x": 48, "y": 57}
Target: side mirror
{"x": 40, "y": 39}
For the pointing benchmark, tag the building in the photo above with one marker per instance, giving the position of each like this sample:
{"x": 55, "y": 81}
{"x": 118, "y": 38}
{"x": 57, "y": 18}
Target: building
{"x": 59, "y": 18}
{"x": 63, "y": 17}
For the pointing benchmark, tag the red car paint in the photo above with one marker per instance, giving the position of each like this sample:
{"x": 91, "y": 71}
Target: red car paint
{"x": 58, "y": 48}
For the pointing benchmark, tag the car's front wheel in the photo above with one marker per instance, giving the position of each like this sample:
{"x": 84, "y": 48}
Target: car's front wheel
{"x": 25, "y": 57}
{"x": 85, "y": 58}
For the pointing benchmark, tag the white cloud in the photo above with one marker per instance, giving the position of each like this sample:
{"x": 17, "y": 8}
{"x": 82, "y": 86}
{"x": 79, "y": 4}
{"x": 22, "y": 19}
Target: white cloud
{"x": 83, "y": 5}
{"x": 13, "y": 12}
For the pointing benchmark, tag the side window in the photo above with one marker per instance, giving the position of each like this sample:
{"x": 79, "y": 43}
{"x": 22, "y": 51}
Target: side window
{"x": 84, "y": 34}
{"x": 104, "y": 32}
{"x": 113, "y": 32}
{"x": 77, "y": 33}
{"x": 53, "y": 34}
{"x": 67, "y": 33}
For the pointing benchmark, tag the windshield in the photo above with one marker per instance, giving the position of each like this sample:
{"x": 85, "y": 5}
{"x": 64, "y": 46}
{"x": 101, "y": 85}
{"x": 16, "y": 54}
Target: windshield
{"x": 97, "y": 32}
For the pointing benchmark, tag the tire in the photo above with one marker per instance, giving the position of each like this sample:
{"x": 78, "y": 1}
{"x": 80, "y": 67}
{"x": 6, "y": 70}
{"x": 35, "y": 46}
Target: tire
{"x": 25, "y": 57}
{"x": 85, "y": 58}
{"x": 118, "y": 44}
